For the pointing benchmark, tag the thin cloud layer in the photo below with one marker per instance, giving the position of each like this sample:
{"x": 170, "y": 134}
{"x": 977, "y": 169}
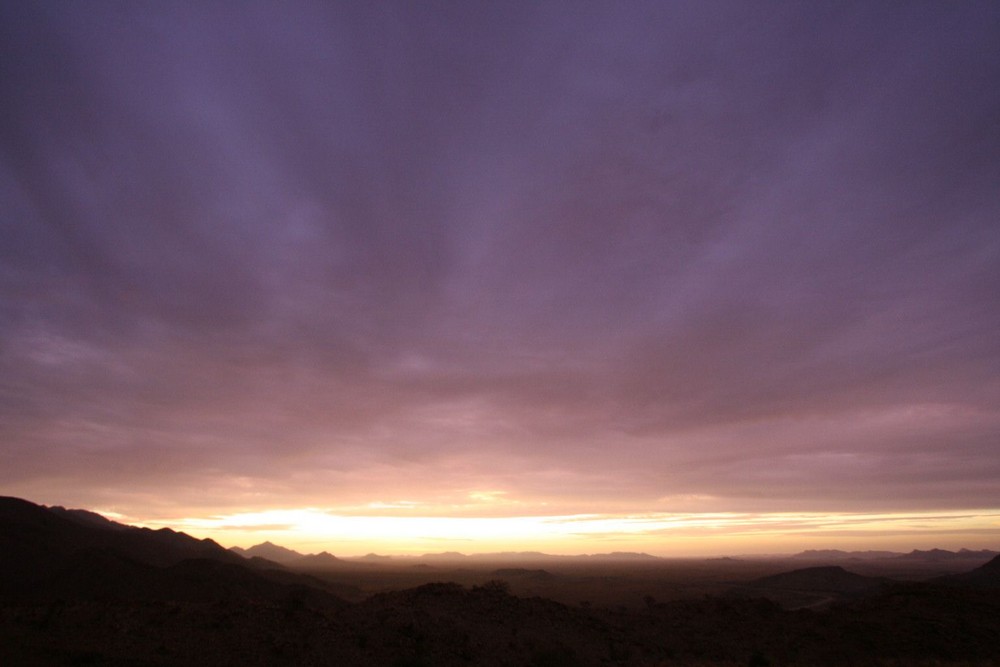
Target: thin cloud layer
{"x": 587, "y": 259}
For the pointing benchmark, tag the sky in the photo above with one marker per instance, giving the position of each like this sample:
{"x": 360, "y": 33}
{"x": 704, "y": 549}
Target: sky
{"x": 674, "y": 277}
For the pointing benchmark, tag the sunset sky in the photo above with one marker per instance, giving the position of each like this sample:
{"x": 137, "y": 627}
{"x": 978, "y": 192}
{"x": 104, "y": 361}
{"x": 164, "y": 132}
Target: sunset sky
{"x": 689, "y": 278}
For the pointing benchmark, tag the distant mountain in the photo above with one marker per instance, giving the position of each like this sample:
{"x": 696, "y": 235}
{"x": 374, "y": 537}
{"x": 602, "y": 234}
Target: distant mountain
{"x": 272, "y": 552}
{"x": 373, "y": 558}
{"x": 984, "y": 576}
{"x": 945, "y": 555}
{"x": 537, "y": 556}
{"x": 981, "y": 553}
{"x": 322, "y": 560}
{"x": 624, "y": 556}
{"x": 828, "y": 579}
{"x": 294, "y": 559}
{"x": 513, "y": 556}
{"x": 837, "y": 554}
{"x": 289, "y": 558}
{"x": 443, "y": 556}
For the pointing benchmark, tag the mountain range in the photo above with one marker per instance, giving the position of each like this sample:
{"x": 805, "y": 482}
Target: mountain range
{"x": 832, "y": 555}
{"x": 76, "y": 588}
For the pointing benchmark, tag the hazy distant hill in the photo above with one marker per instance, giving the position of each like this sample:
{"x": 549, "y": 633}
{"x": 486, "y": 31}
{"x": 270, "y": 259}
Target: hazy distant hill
{"x": 945, "y": 555}
{"x": 443, "y": 556}
{"x": 269, "y": 551}
{"x": 837, "y": 554}
{"x": 294, "y": 559}
{"x": 318, "y": 561}
{"x": 373, "y": 558}
{"x": 624, "y": 556}
{"x": 538, "y": 557}
{"x": 931, "y": 555}
{"x": 810, "y": 587}
{"x": 984, "y": 576}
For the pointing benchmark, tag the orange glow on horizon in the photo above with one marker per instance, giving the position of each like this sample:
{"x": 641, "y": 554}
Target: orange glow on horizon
{"x": 312, "y": 530}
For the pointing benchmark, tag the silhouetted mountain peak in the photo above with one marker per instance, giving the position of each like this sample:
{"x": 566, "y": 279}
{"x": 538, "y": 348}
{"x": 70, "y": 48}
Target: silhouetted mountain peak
{"x": 271, "y": 551}
{"x": 838, "y": 554}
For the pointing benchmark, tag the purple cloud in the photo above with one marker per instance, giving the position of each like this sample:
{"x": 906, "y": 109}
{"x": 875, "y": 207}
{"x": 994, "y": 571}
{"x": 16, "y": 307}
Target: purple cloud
{"x": 589, "y": 256}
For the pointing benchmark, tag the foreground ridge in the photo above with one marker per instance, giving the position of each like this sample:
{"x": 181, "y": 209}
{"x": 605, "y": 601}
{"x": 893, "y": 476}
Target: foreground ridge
{"x": 99, "y": 598}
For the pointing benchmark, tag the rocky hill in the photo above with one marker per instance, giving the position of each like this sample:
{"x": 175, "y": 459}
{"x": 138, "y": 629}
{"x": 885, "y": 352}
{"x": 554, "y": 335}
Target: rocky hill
{"x": 269, "y": 551}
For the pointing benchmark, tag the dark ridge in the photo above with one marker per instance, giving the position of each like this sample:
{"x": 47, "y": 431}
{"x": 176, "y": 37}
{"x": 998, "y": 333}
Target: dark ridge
{"x": 87, "y": 518}
{"x": 984, "y": 576}
{"x": 93, "y": 602}
{"x": 36, "y": 543}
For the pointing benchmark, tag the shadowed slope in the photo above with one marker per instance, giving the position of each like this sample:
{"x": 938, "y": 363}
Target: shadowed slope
{"x": 35, "y": 542}
{"x": 984, "y": 576}
{"x": 80, "y": 555}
